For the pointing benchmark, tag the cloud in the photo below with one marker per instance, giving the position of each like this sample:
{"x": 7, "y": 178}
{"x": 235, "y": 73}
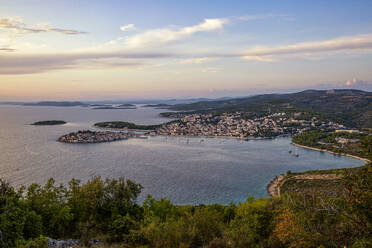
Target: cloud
{"x": 39, "y": 63}
{"x": 19, "y": 27}
{"x": 127, "y": 27}
{"x": 26, "y": 63}
{"x": 261, "y": 58}
{"x": 157, "y": 37}
{"x": 348, "y": 84}
{"x": 6, "y": 49}
{"x": 357, "y": 84}
{"x": 309, "y": 48}
{"x": 264, "y": 17}
{"x": 210, "y": 70}
{"x": 195, "y": 61}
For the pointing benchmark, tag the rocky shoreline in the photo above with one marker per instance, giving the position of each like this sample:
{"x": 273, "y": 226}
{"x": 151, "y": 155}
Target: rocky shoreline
{"x": 273, "y": 188}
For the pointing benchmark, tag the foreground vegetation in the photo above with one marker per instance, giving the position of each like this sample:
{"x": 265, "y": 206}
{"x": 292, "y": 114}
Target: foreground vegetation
{"x": 108, "y": 210}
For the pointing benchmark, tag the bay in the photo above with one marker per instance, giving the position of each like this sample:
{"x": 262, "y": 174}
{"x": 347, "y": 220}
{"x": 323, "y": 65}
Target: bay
{"x": 185, "y": 171}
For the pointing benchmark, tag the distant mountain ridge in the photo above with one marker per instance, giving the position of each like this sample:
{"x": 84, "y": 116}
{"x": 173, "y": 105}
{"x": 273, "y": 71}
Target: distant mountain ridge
{"x": 56, "y": 104}
{"x": 351, "y": 107}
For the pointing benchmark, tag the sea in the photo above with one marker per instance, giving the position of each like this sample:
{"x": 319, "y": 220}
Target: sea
{"x": 184, "y": 170}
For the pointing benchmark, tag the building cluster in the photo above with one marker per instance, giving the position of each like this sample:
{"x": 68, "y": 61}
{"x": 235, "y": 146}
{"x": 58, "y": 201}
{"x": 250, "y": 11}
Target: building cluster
{"x": 343, "y": 141}
{"x": 240, "y": 126}
{"x": 88, "y": 136}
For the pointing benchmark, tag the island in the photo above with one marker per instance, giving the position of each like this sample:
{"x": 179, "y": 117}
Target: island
{"x": 49, "y": 123}
{"x": 121, "y": 106}
{"x": 127, "y": 105}
{"x": 125, "y": 125}
{"x": 159, "y": 106}
{"x": 57, "y": 104}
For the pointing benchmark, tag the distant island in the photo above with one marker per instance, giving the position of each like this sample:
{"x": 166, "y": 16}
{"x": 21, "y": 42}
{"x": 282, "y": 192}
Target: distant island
{"x": 49, "y": 123}
{"x": 121, "y": 106}
{"x": 160, "y": 105}
{"x": 56, "y": 104}
{"x": 127, "y": 105}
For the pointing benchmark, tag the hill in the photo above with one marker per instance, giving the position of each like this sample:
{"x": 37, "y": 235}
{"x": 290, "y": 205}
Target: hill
{"x": 352, "y": 108}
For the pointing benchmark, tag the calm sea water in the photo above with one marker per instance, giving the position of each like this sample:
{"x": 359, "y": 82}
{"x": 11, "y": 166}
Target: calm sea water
{"x": 200, "y": 171}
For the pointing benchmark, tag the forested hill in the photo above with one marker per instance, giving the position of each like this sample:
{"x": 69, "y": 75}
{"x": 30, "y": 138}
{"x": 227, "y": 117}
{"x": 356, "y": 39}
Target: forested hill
{"x": 351, "y": 107}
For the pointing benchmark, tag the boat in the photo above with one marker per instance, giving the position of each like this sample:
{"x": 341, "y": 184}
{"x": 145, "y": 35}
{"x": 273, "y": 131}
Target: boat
{"x": 289, "y": 151}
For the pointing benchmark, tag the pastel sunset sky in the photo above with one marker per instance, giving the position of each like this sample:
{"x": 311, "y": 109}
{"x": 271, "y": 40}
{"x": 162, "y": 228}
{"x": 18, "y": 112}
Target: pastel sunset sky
{"x": 93, "y": 50}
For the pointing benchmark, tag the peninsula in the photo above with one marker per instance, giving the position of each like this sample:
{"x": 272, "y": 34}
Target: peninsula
{"x": 88, "y": 136}
{"x": 324, "y": 182}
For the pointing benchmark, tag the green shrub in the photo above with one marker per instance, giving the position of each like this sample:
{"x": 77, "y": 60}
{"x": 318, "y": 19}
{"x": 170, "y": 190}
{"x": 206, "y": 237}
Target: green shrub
{"x": 40, "y": 242}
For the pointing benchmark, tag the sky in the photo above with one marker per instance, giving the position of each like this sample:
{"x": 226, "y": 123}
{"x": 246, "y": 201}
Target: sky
{"x": 102, "y": 50}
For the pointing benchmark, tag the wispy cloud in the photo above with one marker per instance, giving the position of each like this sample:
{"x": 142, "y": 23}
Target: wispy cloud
{"x": 347, "y": 84}
{"x": 210, "y": 70}
{"x": 6, "y": 49}
{"x": 357, "y": 84}
{"x": 39, "y": 63}
{"x": 264, "y": 17}
{"x": 18, "y": 26}
{"x": 342, "y": 44}
{"x": 127, "y": 27}
{"x": 195, "y": 61}
{"x": 157, "y": 37}
{"x": 120, "y": 56}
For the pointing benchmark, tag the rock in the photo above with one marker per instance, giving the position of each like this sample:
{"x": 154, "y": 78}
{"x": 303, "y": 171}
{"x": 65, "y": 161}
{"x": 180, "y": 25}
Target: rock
{"x": 62, "y": 243}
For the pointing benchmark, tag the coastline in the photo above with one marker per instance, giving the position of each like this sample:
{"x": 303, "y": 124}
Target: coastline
{"x": 273, "y": 188}
{"x": 323, "y": 150}
{"x": 192, "y": 136}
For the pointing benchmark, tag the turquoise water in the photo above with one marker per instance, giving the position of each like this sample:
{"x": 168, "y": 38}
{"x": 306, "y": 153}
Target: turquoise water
{"x": 201, "y": 170}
